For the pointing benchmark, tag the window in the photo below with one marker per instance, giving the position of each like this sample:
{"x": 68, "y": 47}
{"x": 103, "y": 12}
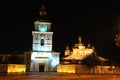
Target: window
{"x": 42, "y": 42}
{"x": 43, "y": 27}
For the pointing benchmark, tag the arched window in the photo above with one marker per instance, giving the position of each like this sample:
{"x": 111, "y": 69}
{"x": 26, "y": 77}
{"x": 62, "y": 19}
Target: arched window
{"x": 42, "y": 42}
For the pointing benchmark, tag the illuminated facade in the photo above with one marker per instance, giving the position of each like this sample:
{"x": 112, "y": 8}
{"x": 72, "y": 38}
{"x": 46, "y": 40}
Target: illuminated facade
{"x": 79, "y": 51}
{"x": 13, "y": 68}
{"x": 72, "y": 62}
{"x": 43, "y": 58}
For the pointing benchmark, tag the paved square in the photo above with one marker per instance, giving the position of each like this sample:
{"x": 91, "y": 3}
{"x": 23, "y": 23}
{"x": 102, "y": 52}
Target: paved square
{"x": 56, "y": 76}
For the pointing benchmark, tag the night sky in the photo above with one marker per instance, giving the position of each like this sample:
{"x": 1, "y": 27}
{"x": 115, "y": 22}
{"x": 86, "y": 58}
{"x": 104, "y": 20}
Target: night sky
{"x": 95, "y": 21}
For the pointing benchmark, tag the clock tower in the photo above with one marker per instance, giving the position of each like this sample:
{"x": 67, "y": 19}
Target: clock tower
{"x": 42, "y": 37}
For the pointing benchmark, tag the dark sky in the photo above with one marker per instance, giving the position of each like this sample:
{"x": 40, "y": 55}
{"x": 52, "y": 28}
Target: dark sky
{"x": 95, "y": 21}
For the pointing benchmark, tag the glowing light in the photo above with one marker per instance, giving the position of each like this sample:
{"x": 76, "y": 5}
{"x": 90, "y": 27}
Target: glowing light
{"x": 54, "y": 63}
{"x": 13, "y": 68}
{"x": 67, "y": 51}
{"x": 113, "y": 67}
{"x": 40, "y": 54}
{"x": 16, "y": 68}
{"x": 80, "y": 51}
{"x": 66, "y": 68}
{"x": 43, "y": 27}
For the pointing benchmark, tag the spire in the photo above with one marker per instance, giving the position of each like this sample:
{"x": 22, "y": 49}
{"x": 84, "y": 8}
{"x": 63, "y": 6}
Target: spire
{"x": 67, "y": 51}
{"x": 80, "y": 39}
{"x": 43, "y": 13}
{"x": 76, "y": 46}
{"x": 67, "y": 47}
{"x": 89, "y": 46}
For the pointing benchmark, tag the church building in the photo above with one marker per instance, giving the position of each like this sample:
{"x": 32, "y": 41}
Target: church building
{"x": 43, "y": 59}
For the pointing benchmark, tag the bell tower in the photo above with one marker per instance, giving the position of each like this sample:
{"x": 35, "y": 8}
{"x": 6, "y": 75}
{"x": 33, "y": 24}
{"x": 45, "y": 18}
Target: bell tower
{"x": 42, "y": 57}
{"x": 42, "y": 36}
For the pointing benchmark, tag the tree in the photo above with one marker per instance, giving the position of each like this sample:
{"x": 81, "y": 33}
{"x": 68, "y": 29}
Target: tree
{"x": 117, "y": 36}
{"x": 90, "y": 61}
{"x": 15, "y": 60}
{"x": 0, "y": 59}
{"x": 117, "y": 39}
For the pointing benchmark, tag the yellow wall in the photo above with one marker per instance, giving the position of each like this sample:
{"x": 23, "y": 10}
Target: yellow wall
{"x": 66, "y": 68}
{"x": 16, "y": 68}
{"x": 74, "y": 68}
{"x": 11, "y": 68}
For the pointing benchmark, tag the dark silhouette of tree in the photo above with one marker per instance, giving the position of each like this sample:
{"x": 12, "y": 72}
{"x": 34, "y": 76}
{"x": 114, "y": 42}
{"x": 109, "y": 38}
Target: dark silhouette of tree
{"x": 117, "y": 36}
{"x": 15, "y": 60}
{"x": 117, "y": 39}
{"x": 0, "y": 59}
{"x": 90, "y": 61}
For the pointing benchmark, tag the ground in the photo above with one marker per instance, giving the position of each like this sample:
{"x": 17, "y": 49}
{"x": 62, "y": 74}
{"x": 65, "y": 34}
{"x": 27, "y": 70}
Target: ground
{"x": 57, "y": 76}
